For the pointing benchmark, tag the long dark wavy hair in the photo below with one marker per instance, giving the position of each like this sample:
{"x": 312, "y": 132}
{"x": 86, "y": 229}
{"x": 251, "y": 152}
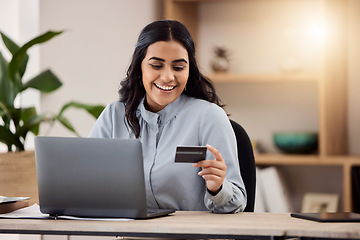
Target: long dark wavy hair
{"x": 132, "y": 90}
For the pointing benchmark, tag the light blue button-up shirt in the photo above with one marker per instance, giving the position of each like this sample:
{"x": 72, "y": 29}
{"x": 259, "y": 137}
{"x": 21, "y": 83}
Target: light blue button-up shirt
{"x": 186, "y": 121}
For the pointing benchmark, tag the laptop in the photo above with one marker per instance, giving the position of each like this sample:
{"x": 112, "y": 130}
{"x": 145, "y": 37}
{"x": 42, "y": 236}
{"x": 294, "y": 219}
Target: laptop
{"x": 92, "y": 177}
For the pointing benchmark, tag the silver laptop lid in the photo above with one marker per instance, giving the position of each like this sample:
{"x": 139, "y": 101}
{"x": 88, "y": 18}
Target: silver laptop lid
{"x": 90, "y": 177}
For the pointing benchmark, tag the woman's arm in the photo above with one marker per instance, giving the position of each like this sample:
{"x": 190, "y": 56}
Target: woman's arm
{"x": 225, "y": 188}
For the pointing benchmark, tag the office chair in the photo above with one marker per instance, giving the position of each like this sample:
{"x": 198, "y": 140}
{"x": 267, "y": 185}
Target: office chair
{"x": 247, "y": 164}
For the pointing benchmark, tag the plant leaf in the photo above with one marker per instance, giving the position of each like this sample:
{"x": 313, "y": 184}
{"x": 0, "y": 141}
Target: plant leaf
{"x": 7, "y": 137}
{"x": 19, "y": 55}
{"x": 44, "y": 82}
{"x": 66, "y": 123}
{"x": 94, "y": 110}
{"x": 5, "y": 114}
{"x": 32, "y": 125}
{"x": 13, "y": 48}
{"x": 31, "y": 121}
{"x": 8, "y": 90}
{"x": 10, "y": 44}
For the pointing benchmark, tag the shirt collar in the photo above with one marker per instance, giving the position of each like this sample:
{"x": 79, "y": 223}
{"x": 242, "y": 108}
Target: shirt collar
{"x": 164, "y": 115}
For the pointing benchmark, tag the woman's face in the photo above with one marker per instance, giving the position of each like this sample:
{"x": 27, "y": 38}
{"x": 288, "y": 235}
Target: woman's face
{"x": 165, "y": 71}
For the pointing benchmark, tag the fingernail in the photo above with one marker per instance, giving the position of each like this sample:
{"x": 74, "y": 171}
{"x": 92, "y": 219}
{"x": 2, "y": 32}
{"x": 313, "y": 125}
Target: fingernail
{"x": 199, "y": 173}
{"x": 195, "y": 165}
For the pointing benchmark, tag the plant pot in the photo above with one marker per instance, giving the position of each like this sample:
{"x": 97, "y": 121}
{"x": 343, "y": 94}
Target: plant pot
{"x": 18, "y": 175}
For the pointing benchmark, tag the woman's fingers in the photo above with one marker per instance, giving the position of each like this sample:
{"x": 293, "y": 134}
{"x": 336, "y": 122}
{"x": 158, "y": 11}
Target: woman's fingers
{"x": 213, "y": 171}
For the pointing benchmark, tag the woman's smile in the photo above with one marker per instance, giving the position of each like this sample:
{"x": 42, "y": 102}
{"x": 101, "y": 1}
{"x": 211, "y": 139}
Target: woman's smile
{"x": 167, "y": 88}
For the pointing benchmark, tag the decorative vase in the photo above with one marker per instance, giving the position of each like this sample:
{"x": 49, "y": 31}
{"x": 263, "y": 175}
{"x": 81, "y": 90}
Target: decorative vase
{"x": 220, "y": 62}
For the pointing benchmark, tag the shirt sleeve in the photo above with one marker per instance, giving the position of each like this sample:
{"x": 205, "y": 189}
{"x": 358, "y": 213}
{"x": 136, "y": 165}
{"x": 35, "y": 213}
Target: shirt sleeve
{"x": 216, "y": 130}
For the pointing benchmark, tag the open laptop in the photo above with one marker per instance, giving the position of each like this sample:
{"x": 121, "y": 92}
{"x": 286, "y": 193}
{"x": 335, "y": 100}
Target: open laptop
{"x": 92, "y": 177}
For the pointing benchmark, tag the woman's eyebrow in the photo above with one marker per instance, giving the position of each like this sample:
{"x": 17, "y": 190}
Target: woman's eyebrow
{"x": 180, "y": 60}
{"x": 163, "y": 60}
{"x": 156, "y": 58}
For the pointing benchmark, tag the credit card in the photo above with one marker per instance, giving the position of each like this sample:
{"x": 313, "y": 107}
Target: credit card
{"x": 190, "y": 154}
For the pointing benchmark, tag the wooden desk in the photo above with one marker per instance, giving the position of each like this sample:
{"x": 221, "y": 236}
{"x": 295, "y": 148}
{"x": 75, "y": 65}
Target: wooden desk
{"x": 190, "y": 225}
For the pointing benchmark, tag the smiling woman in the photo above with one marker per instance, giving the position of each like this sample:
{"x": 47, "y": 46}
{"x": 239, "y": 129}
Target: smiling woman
{"x": 166, "y": 102}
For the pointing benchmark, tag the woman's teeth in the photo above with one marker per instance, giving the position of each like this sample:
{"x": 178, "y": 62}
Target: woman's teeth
{"x": 166, "y": 88}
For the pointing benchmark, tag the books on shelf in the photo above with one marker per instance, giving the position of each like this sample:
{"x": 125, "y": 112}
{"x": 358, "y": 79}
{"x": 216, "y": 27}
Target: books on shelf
{"x": 259, "y": 195}
{"x": 271, "y": 194}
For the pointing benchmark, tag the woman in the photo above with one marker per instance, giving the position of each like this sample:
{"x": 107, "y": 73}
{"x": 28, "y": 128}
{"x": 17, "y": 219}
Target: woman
{"x": 166, "y": 102}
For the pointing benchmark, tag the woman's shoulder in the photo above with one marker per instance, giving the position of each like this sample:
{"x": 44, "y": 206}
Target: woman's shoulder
{"x": 116, "y": 106}
{"x": 112, "y": 109}
{"x": 200, "y": 105}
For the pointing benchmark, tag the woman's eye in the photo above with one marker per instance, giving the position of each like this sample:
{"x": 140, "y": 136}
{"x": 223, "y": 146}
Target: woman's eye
{"x": 178, "y": 68}
{"x": 156, "y": 66}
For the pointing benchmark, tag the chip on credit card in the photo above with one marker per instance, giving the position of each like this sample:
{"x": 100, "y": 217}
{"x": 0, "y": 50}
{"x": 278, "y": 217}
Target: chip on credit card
{"x": 190, "y": 154}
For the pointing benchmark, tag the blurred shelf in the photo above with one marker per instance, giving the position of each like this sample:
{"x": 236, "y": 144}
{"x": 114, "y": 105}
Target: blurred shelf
{"x": 233, "y": 77}
{"x": 202, "y": 0}
{"x": 292, "y": 159}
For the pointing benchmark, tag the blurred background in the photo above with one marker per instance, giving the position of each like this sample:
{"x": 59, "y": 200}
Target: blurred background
{"x": 260, "y": 37}
{"x": 281, "y": 38}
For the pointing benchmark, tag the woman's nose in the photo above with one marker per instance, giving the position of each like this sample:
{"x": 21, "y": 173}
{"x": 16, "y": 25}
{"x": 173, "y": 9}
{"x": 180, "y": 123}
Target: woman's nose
{"x": 167, "y": 74}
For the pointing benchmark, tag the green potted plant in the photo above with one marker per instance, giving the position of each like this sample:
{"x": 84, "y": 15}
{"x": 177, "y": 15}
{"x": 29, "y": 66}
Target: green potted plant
{"x": 17, "y": 121}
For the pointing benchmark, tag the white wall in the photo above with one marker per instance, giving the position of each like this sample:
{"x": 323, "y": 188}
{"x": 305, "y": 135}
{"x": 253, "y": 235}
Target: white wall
{"x": 92, "y": 55}
{"x": 19, "y": 19}
{"x": 9, "y": 19}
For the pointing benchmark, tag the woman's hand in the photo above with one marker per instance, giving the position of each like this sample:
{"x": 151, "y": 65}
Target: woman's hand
{"x": 213, "y": 171}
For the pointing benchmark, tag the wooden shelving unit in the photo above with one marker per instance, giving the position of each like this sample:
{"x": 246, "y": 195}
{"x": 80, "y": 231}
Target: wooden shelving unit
{"x": 229, "y": 77}
{"x": 332, "y": 95}
{"x": 345, "y": 162}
